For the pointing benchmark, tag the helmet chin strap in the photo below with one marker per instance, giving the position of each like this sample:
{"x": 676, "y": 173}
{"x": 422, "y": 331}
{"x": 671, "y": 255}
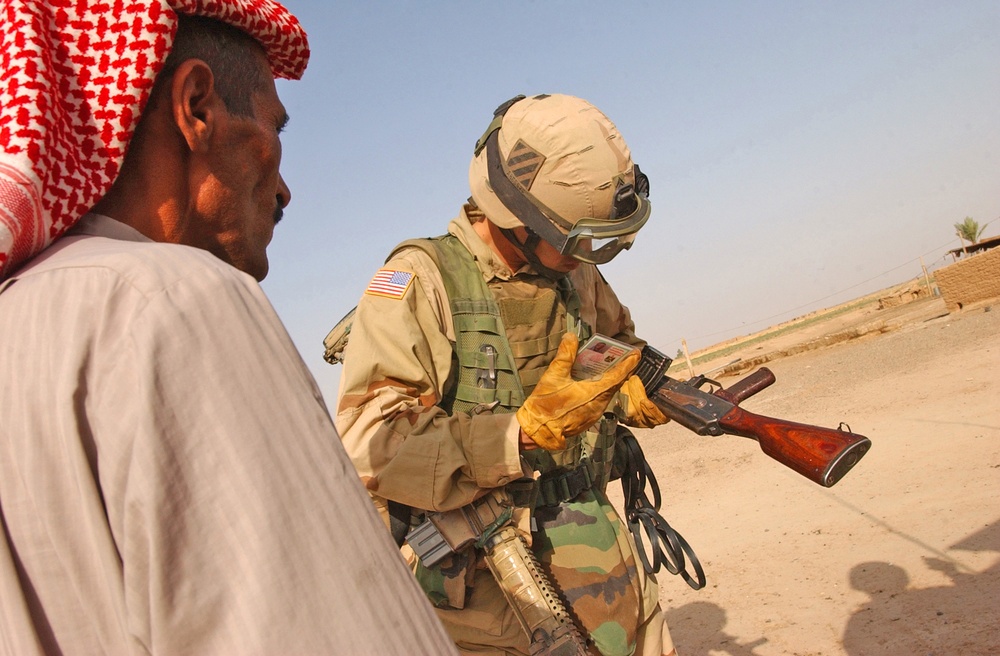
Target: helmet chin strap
{"x": 527, "y": 248}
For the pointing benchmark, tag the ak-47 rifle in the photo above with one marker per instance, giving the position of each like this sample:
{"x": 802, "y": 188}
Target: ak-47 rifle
{"x": 823, "y": 455}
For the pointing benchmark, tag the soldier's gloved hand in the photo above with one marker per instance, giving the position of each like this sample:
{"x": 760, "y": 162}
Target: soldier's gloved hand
{"x": 560, "y": 407}
{"x": 642, "y": 413}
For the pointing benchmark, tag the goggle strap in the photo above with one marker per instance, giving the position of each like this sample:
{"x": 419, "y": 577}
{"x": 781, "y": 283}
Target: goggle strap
{"x": 490, "y": 129}
{"x": 494, "y": 125}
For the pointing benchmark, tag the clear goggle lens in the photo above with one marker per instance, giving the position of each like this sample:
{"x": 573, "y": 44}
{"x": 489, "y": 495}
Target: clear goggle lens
{"x": 597, "y": 242}
{"x": 600, "y": 251}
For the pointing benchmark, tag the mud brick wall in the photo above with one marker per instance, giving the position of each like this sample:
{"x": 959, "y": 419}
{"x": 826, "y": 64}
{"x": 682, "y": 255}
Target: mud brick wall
{"x": 903, "y": 296}
{"x": 975, "y": 278}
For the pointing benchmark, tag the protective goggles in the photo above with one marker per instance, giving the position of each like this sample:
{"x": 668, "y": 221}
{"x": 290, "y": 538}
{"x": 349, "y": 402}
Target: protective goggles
{"x": 594, "y": 241}
{"x": 597, "y": 241}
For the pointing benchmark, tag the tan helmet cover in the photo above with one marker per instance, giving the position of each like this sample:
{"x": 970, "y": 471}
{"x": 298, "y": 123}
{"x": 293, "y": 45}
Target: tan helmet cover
{"x": 564, "y": 152}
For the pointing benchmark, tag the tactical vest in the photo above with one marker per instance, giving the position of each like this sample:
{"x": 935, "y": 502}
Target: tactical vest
{"x": 494, "y": 335}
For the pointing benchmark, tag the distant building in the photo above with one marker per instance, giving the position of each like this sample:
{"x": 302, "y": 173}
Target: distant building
{"x": 973, "y": 278}
{"x": 907, "y": 293}
{"x": 982, "y": 245}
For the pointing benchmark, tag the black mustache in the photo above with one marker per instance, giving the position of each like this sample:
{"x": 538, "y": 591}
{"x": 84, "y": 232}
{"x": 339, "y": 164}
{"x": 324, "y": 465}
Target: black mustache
{"x": 279, "y": 212}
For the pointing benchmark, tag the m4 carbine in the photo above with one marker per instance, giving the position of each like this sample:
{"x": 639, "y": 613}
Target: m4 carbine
{"x": 823, "y": 455}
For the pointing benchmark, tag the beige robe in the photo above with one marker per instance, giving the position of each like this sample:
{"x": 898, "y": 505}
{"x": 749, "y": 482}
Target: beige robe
{"x": 170, "y": 480}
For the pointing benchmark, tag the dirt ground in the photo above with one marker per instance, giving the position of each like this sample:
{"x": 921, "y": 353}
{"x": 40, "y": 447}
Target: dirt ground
{"x": 902, "y": 556}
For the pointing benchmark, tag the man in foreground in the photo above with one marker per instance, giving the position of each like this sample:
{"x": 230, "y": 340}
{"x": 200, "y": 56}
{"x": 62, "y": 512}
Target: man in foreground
{"x": 170, "y": 481}
{"x": 456, "y": 387}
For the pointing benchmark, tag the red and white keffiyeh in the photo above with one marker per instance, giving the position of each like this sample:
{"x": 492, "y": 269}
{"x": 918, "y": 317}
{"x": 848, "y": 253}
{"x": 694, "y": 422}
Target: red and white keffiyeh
{"x": 74, "y": 78}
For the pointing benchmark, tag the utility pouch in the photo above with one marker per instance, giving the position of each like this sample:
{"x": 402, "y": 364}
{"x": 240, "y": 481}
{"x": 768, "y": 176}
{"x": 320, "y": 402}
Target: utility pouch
{"x": 336, "y": 340}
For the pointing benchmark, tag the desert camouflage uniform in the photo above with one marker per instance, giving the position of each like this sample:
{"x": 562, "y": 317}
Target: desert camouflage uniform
{"x": 399, "y": 366}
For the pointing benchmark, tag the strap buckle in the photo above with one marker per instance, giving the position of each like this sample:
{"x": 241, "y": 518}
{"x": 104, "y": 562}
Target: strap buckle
{"x": 565, "y": 484}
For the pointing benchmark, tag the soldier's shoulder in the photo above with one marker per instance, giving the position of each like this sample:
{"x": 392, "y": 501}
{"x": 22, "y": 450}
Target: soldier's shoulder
{"x": 419, "y": 257}
{"x": 415, "y": 253}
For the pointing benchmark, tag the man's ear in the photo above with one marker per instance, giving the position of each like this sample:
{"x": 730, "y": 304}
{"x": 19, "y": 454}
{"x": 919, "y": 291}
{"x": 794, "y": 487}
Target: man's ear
{"x": 195, "y": 103}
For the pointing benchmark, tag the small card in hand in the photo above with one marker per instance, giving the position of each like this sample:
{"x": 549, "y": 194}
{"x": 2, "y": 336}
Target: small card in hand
{"x": 597, "y": 355}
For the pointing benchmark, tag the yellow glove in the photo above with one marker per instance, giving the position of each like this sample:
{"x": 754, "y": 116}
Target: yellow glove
{"x": 560, "y": 406}
{"x": 642, "y": 413}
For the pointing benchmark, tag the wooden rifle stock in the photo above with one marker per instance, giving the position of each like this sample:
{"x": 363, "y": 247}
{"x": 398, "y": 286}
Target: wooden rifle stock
{"x": 823, "y": 455}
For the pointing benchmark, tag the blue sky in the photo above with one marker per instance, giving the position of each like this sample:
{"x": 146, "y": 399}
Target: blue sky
{"x": 800, "y": 153}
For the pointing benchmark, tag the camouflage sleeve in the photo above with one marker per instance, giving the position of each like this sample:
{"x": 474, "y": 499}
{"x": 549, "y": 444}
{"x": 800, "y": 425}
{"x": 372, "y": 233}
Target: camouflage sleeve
{"x": 397, "y": 363}
{"x": 601, "y": 308}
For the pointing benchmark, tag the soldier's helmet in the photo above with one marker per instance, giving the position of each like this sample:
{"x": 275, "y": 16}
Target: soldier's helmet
{"x": 558, "y": 166}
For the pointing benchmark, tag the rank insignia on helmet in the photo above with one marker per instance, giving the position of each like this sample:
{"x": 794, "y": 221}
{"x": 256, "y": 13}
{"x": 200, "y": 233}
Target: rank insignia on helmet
{"x": 390, "y": 283}
{"x": 524, "y": 162}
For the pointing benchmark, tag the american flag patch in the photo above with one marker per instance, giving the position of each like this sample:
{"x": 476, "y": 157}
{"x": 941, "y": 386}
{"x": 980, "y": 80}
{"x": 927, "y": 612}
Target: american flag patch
{"x": 390, "y": 283}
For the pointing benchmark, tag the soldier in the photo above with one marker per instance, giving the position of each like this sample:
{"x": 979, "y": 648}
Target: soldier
{"x": 456, "y": 387}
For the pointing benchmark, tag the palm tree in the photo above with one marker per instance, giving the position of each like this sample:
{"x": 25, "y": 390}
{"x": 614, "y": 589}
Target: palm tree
{"x": 969, "y": 230}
